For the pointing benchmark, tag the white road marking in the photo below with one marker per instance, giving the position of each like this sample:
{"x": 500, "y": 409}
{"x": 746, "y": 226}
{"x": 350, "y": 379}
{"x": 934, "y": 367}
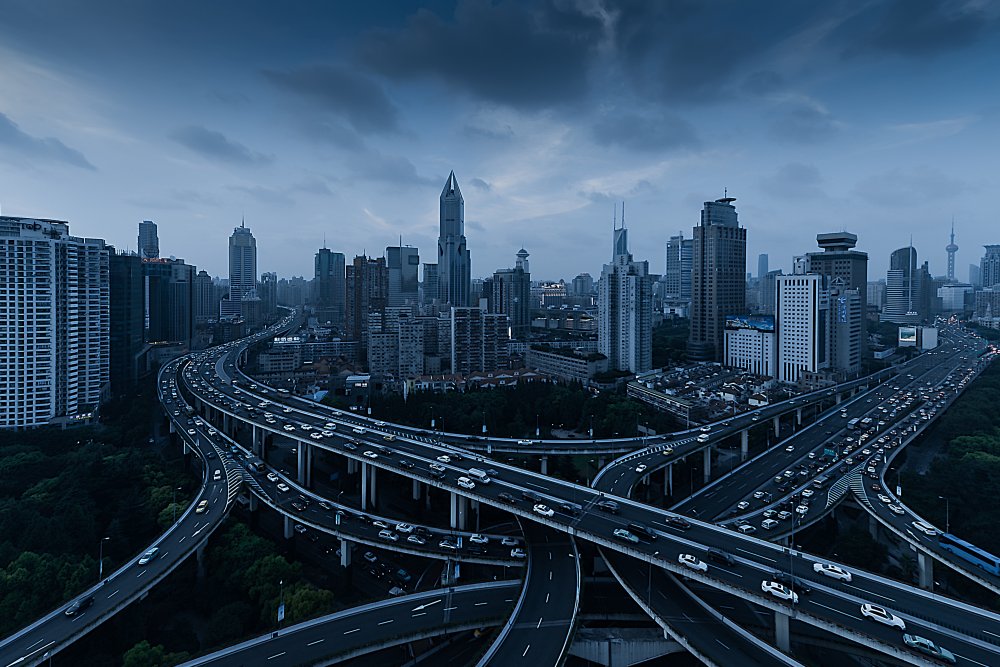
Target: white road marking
{"x": 836, "y": 610}
{"x": 723, "y": 645}
{"x": 114, "y": 594}
{"x": 756, "y": 555}
{"x": 419, "y": 613}
{"x": 970, "y": 660}
{"x": 354, "y": 630}
{"x": 866, "y": 592}
{"x": 277, "y": 655}
{"x": 387, "y": 622}
{"x": 539, "y": 623}
{"x": 546, "y": 598}
{"x": 526, "y": 650}
{"x": 480, "y": 604}
{"x": 315, "y": 642}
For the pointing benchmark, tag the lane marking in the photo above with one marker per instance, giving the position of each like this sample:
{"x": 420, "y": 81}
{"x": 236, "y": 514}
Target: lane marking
{"x": 539, "y": 623}
{"x": 866, "y": 592}
{"x": 419, "y": 613}
{"x": 387, "y": 622}
{"x": 526, "y": 650}
{"x": 354, "y": 630}
{"x": 316, "y": 642}
{"x": 114, "y": 594}
{"x": 957, "y": 655}
{"x": 277, "y": 655}
{"x": 480, "y": 604}
{"x": 756, "y": 555}
{"x": 546, "y": 598}
{"x": 844, "y": 613}
{"x": 723, "y": 645}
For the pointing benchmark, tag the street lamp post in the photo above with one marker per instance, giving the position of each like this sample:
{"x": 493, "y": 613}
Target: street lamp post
{"x": 947, "y": 513}
{"x": 100, "y": 560}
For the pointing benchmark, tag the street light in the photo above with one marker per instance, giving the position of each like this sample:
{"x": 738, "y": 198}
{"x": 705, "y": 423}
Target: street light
{"x": 100, "y": 560}
{"x": 947, "y": 513}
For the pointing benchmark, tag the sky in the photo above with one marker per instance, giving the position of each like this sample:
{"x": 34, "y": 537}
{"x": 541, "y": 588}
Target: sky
{"x": 339, "y": 122}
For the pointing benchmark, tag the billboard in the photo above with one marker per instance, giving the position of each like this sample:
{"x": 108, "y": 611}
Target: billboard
{"x": 907, "y": 336}
{"x": 758, "y": 322}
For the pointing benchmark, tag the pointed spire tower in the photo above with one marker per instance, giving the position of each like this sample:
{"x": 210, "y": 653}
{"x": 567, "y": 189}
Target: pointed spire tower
{"x": 454, "y": 260}
{"x": 951, "y": 249}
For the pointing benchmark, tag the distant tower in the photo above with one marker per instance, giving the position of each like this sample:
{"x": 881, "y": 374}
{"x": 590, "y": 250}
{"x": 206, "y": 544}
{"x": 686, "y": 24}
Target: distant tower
{"x": 454, "y": 264}
{"x": 951, "y": 249}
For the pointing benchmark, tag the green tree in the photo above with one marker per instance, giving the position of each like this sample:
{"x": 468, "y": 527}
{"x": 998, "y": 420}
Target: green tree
{"x": 145, "y": 655}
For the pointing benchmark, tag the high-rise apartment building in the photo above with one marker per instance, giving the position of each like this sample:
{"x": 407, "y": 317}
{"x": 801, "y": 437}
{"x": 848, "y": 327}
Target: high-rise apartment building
{"x": 268, "y": 292}
{"x": 583, "y": 285}
{"x": 718, "y": 278}
{"x": 127, "y": 316}
{"x": 625, "y": 310}
{"x": 54, "y": 323}
{"x": 512, "y": 296}
{"x": 403, "y": 263}
{"x": 330, "y": 292}
{"x": 242, "y": 270}
{"x": 847, "y": 329}
{"x": 206, "y": 306}
{"x": 802, "y": 309}
{"x": 766, "y": 287}
{"x": 989, "y": 267}
{"x": 677, "y": 273}
{"x": 454, "y": 261}
{"x": 367, "y": 292}
{"x": 479, "y": 341}
{"x": 149, "y": 242}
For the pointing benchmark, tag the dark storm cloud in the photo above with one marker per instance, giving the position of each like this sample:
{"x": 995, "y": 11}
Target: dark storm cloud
{"x": 48, "y": 149}
{"x": 795, "y": 180}
{"x": 805, "y": 123}
{"x": 503, "y": 52}
{"x": 918, "y": 27}
{"x": 481, "y": 184}
{"x": 340, "y": 91}
{"x": 216, "y": 145}
{"x": 374, "y": 165}
{"x": 662, "y": 132}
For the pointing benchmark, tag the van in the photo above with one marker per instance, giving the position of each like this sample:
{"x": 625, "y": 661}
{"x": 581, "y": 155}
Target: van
{"x": 466, "y": 483}
{"x": 358, "y": 430}
{"x": 480, "y": 475}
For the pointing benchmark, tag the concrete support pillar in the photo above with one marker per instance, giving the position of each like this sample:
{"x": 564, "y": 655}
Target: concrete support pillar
{"x": 781, "y": 637}
{"x": 352, "y": 466}
{"x": 173, "y": 428}
{"x": 601, "y": 462}
{"x": 227, "y": 424}
{"x": 798, "y": 416}
{"x": 668, "y": 479}
{"x": 448, "y": 573}
{"x": 840, "y": 397}
{"x": 288, "y": 527}
{"x": 459, "y": 505}
{"x": 873, "y": 527}
{"x": 416, "y": 489}
{"x": 372, "y": 471}
{"x": 545, "y": 465}
{"x": 254, "y": 503}
{"x": 744, "y": 444}
{"x": 777, "y": 426}
{"x": 345, "y": 553}
{"x": 925, "y": 566}
{"x": 364, "y": 486}
{"x": 305, "y": 465}
{"x": 257, "y": 440}
{"x": 707, "y": 465}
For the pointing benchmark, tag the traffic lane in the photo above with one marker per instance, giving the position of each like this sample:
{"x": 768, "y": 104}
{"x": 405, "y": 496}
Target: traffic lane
{"x": 541, "y": 630}
{"x": 314, "y": 641}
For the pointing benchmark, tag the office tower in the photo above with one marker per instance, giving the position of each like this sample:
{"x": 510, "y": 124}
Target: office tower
{"x": 801, "y": 313}
{"x": 454, "y": 262}
{"x": 367, "y": 292}
{"x": 403, "y": 263}
{"x": 54, "y": 323}
{"x": 951, "y": 249}
{"x": 677, "y": 273}
{"x": 127, "y": 316}
{"x": 625, "y": 310}
{"x": 847, "y": 328}
{"x": 206, "y": 307}
{"x": 989, "y": 267}
{"x": 750, "y": 344}
{"x": 975, "y": 276}
{"x": 718, "y": 287}
{"x": 268, "y": 292}
{"x": 330, "y": 286}
{"x": 901, "y": 288}
{"x": 583, "y": 285}
{"x": 875, "y": 295}
{"x": 767, "y": 286}
{"x": 169, "y": 286}
{"x": 512, "y": 296}
{"x": 845, "y": 267}
{"x": 762, "y": 265}
{"x": 242, "y": 270}
{"x": 149, "y": 242}
{"x": 430, "y": 284}
{"x": 479, "y": 340}
{"x": 953, "y": 296}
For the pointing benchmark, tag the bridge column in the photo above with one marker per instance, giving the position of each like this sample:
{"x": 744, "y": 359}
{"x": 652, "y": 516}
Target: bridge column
{"x": 253, "y": 503}
{"x": 305, "y": 455}
{"x": 459, "y": 504}
{"x": 798, "y": 416}
{"x": 777, "y": 427}
{"x": 345, "y": 553}
{"x": 257, "y": 441}
{"x": 668, "y": 479}
{"x": 173, "y": 428}
{"x": 781, "y": 639}
{"x": 364, "y": 486}
{"x": 448, "y": 574}
{"x": 744, "y": 444}
{"x": 840, "y": 397}
{"x": 707, "y": 465}
{"x": 601, "y": 462}
{"x": 925, "y": 566}
{"x": 227, "y": 424}
{"x": 288, "y": 527}
{"x": 416, "y": 489}
{"x": 352, "y": 466}
{"x": 873, "y": 527}
{"x": 372, "y": 470}
{"x": 545, "y": 465}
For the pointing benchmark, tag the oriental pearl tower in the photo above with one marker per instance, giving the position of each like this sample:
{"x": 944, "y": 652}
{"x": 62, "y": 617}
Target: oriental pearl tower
{"x": 951, "y": 249}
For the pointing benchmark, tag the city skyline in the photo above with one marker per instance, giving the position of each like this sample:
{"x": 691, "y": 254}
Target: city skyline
{"x": 871, "y": 119}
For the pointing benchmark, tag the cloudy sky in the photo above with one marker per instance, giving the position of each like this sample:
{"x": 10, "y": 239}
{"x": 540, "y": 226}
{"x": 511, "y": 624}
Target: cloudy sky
{"x": 341, "y": 120}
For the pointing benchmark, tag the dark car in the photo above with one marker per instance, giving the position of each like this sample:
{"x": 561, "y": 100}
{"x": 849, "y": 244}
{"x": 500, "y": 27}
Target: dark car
{"x": 80, "y": 606}
{"x": 506, "y": 497}
{"x": 642, "y": 532}
{"x": 570, "y": 508}
{"x": 298, "y": 507}
{"x": 720, "y": 557}
{"x": 531, "y": 495}
{"x": 608, "y": 506}
{"x": 678, "y": 522}
{"x": 403, "y": 463}
{"x": 794, "y": 583}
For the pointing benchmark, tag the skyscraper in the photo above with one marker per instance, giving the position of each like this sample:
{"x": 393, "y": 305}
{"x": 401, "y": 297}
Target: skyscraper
{"x": 367, "y": 292}
{"x": 330, "y": 290}
{"x": 54, "y": 324}
{"x": 677, "y": 274}
{"x": 206, "y": 307}
{"x": 625, "y": 310}
{"x": 951, "y": 249}
{"x": 149, "y": 242}
{"x": 403, "y": 263}
{"x": 127, "y": 313}
{"x": 512, "y": 296}
{"x": 847, "y": 269}
{"x": 989, "y": 267}
{"x": 761, "y": 265}
{"x": 718, "y": 280}
{"x": 242, "y": 269}
{"x": 901, "y": 289}
{"x": 802, "y": 308}
{"x": 454, "y": 261}
{"x": 170, "y": 300}
{"x": 430, "y": 283}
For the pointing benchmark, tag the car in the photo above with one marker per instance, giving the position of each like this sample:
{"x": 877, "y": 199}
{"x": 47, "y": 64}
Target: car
{"x": 746, "y": 528}
{"x": 896, "y": 509}
{"x": 416, "y": 539}
{"x": 378, "y": 523}
{"x": 331, "y": 426}
{"x": 217, "y": 475}
{"x": 388, "y": 535}
{"x": 444, "y": 458}
{"x": 466, "y": 483}
{"x": 316, "y": 436}
{"x": 925, "y": 528}
{"x": 405, "y": 464}
{"x": 528, "y": 494}
{"x": 300, "y": 529}
{"x": 706, "y": 429}
{"x": 404, "y": 528}
{"x": 271, "y": 477}
{"x": 885, "y": 499}
{"x": 544, "y": 510}
{"x": 370, "y": 557}
{"x": 381, "y": 423}
{"x": 882, "y": 615}
{"x": 80, "y": 606}
{"x": 927, "y": 647}
{"x": 298, "y": 506}
{"x": 812, "y": 455}
{"x": 283, "y": 487}
{"x": 350, "y": 446}
{"x": 689, "y": 561}
{"x": 721, "y": 557}
{"x": 325, "y": 505}
{"x": 788, "y": 473}
{"x": 517, "y": 552}
{"x": 742, "y": 505}
{"x": 832, "y": 571}
{"x": 149, "y": 555}
{"x": 802, "y": 509}
{"x": 790, "y": 448}
{"x": 525, "y": 442}
{"x": 438, "y": 467}
{"x": 807, "y": 493}
{"x": 191, "y": 431}
{"x": 768, "y": 524}
{"x": 625, "y": 535}
{"x": 448, "y": 544}
{"x": 678, "y": 522}
{"x": 757, "y": 495}
{"x": 641, "y": 467}
{"x": 779, "y": 591}
{"x": 509, "y": 542}
{"x": 305, "y": 427}
{"x": 288, "y": 427}
{"x": 370, "y": 454}
{"x": 479, "y": 539}
{"x": 507, "y": 498}
{"x": 609, "y": 506}
{"x": 667, "y": 451}
{"x": 437, "y": 474}
{"x": 202, "y": 507}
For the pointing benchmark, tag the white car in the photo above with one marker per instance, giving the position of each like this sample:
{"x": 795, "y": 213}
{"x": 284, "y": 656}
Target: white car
{"x": 388, "y": 535}
{"x": 517, "y": 552}
{"x": 640, "y": 468}
{"x": 437, "y": 466}
{"x": 325, "y": 434}
{"x": 790, "y": 448}
{"x": 779, "y": 591}
{"x": 925, "y": 528}
{"x": 370, "y": 454}
{"x": 271, "y": 477}
{"x": 807, "y": 493}
{"x": 479, "y": 539}
{"x": 283, "y": 487}
{"x": 832, "y": 571}
{"x": 444, "y": 458}
{"x": 802, "y": 509}
{"x": 896, "y": 509}
{"x": 544, "y": 510}
{"x": 416, "y": 539}
{"x": 289, "y": 427}
{"x": 509, "y": 542}
{"x": 689, "y": 561}
{"x": 885, "y": 499}
{"x": 742, "y": 505}
{"x": 316, "y": 436}
{"x": 404, "y": 528}
{"x": 882, "y": 615}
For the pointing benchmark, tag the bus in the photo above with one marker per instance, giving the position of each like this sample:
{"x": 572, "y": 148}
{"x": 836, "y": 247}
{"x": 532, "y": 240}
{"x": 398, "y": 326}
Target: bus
{"x": 970, "y": 552}
{"x": 853, "y": 423}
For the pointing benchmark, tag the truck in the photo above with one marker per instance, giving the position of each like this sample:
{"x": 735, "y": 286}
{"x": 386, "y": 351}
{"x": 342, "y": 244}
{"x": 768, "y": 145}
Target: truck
{"x": 853, "y": 423}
